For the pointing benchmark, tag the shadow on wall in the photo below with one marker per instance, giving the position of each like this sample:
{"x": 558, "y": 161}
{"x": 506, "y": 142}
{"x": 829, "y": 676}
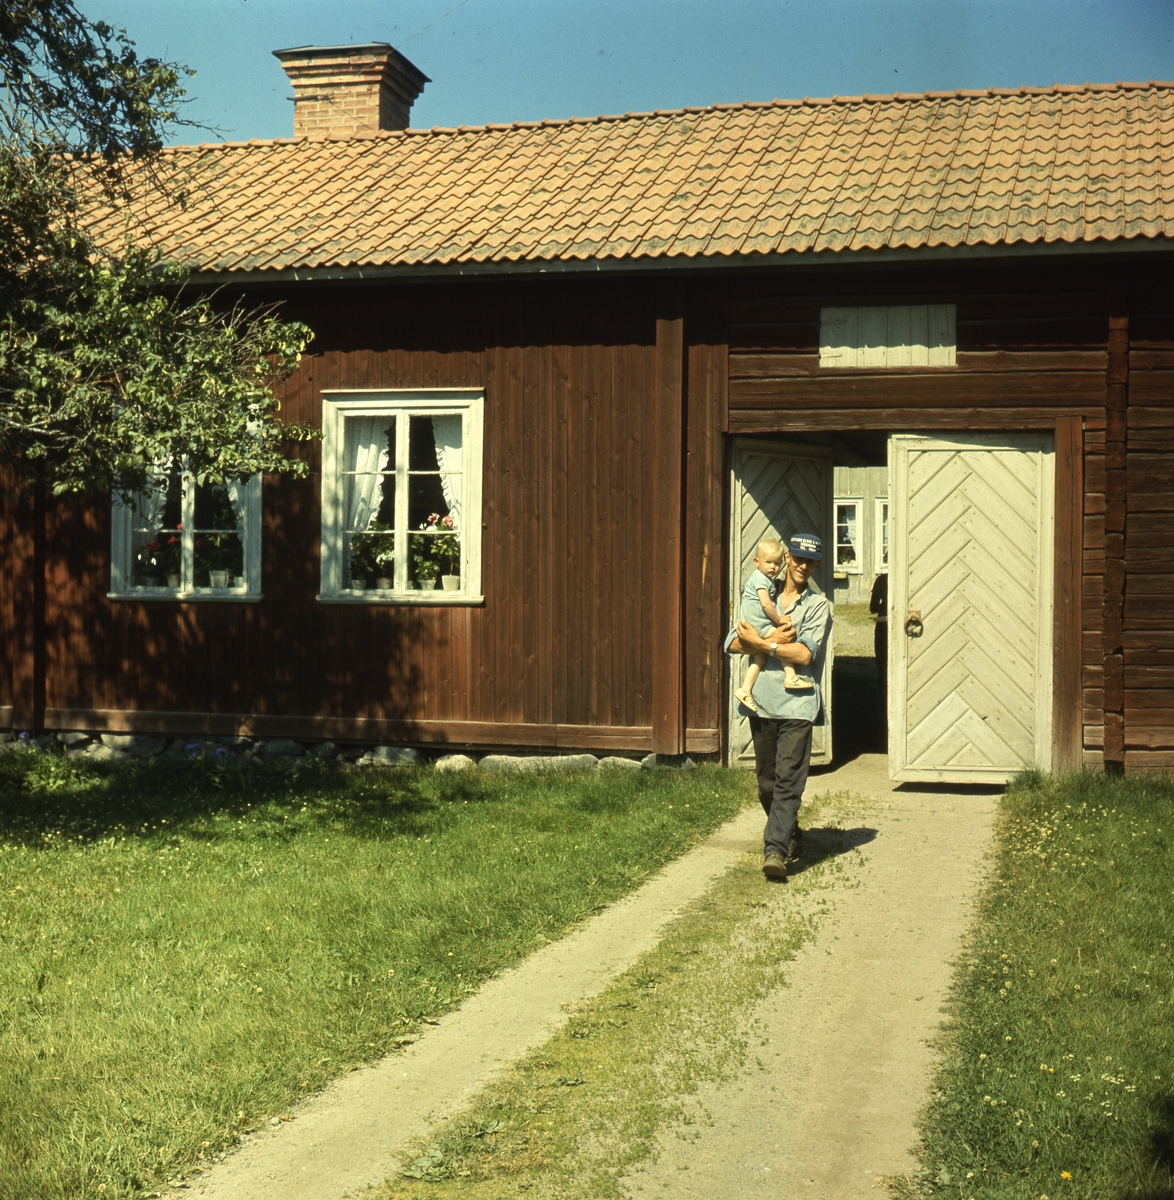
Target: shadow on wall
{"x": 285, "y": 655}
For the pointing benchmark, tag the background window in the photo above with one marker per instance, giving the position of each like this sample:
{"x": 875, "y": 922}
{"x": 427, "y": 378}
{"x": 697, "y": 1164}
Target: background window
{"x": 187, "y": 539}
{"x": 848, "y": 556}
{"x": 401, "y": 497}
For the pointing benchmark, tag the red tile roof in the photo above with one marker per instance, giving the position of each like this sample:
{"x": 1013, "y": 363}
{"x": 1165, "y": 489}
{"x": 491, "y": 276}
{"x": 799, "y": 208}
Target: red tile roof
{"x": 968, "y": 168}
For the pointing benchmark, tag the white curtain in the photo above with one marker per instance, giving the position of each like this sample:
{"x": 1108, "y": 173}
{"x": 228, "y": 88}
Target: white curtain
{"x": 238, "y": 494}
{"x": 149, "y": 506}
{"x": 367, "y": 456}
{"x": 447, "y": 433}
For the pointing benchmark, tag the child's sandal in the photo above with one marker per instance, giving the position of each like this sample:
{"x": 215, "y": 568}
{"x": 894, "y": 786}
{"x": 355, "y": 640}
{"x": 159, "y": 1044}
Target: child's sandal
{"x": 745, "y": 699}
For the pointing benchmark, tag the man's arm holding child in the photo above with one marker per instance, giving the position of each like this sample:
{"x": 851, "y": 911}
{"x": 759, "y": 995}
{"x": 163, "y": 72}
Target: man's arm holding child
{"x": 781, "y": 644}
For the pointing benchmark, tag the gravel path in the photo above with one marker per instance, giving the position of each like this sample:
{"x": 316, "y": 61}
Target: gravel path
{"x": 827, "y": 1104}
{"x": 348, "y": 1138}
{"x": 844, "y": 1061}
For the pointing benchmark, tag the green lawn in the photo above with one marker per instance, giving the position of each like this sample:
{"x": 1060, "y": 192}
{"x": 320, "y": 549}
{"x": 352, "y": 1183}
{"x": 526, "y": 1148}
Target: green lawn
{"x": 185, "y": 949}
{"x": 1058, "y": 1079}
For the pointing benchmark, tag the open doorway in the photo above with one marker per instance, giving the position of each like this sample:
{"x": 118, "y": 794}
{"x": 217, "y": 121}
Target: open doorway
{"x": 860, "y": 588}
{"x": 955, "y": 532}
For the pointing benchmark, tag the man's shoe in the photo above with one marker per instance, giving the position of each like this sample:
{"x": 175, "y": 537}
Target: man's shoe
{"x": 795, "y": 845}
{"x": 773, "y": 866}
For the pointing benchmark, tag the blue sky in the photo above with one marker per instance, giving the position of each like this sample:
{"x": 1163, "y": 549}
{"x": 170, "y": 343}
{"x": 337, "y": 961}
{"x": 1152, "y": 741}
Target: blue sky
{"x": 511, "y": 60}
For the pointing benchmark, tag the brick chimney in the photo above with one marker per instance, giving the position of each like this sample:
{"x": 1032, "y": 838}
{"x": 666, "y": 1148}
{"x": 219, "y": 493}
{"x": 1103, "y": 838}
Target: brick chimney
{"x": 350, "y": 89}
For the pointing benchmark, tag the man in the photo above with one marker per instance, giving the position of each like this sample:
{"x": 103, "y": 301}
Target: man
{"x": 781, "y": 728}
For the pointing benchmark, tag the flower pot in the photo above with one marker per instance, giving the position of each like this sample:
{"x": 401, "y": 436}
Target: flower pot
{"x": 218, "y": 579}
{"x": 239, "y": 581}
{"x": 358, "y": 585}
{"x": 427, "y": 585}
{"x": 451, "y": 583}
{"x": 383, "y": 584}
{"x": 173, "y": 581}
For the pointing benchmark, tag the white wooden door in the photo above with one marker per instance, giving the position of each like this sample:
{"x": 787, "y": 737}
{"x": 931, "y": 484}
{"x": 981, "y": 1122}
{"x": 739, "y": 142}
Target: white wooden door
{"x": 777, "y": 491}
{"x": 970, "y": 613}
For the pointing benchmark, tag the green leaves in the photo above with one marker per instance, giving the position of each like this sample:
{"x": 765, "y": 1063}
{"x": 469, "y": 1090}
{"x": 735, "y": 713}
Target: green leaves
{"x": 80, "y": 85}
{"x": 103, "y": 376}
{"x": 108, "y": 369}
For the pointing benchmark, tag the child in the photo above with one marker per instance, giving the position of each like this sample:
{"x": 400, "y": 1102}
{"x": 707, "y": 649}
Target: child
{"x": 758, "y": 607}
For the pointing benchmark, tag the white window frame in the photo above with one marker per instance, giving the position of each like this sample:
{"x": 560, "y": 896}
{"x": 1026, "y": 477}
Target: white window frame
{"x": 880, "y": 558}
{"x": 858, "y": 567}
{"x": 122, "y": 585}
{"x": 469, "y": 404}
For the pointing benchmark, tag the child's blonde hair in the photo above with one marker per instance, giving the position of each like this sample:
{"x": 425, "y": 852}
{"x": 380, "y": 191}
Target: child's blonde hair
{"x": 769, "y": 545}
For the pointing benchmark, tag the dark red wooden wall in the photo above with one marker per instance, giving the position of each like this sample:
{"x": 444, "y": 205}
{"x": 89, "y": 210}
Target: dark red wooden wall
{"x": 558, "y": 654}
{"x": 609, "y": 406}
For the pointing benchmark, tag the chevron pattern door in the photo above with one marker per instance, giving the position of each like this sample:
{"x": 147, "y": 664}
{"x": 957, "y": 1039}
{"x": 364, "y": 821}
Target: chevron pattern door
{"x": 777, "y": 491}
{"x": 970, "y": 613}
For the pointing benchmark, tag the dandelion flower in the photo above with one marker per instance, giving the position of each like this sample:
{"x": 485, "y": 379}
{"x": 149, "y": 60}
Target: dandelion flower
{"x": 1065, "y": 1174}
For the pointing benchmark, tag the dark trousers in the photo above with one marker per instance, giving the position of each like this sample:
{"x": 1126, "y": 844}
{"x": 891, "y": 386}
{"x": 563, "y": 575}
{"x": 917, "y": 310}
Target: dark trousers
{"x": 880, "y": 643}
{"x": 782, "y": 756}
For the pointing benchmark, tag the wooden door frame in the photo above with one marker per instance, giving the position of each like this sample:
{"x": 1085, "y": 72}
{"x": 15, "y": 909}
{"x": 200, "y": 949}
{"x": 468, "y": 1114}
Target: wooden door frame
{"x": 1068, "y": 429}
{"x": 734, "y": 568}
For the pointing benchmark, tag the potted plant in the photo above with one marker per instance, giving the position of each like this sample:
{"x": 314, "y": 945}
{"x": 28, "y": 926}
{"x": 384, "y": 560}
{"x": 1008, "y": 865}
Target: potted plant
{"x": 440, "y": 548}
{"x": 447, "y": 548}
{"x": 424, "y": 566}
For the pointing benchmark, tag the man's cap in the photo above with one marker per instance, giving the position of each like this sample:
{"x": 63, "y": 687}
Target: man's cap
{"x": 805, "y": 545}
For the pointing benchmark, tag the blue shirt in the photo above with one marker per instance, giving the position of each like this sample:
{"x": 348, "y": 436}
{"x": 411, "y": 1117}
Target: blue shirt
{"x": 811, "y": 616}
{"x": 751, "y": 609}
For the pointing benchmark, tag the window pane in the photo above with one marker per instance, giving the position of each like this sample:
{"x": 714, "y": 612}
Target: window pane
{"x": 214, "y": 509}
{"x": 425, "y": 500}
{"x": 370, "y": 502}
{"x": 218, "y": 560}
{"x": 370, "y": 557}
{"x": 155, "y": 558}
{"x": 433, "y": 554}
{"x": 846, "y": 541}
{"x": 422, "y": 445}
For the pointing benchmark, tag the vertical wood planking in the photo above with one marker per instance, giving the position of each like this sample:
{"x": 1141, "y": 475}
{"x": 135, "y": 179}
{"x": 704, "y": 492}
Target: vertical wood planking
{"x": 1113, "y": 613}
{"x": 705, "y": 519}
{"x": 1067, "y": 697}
{"x": 668, "y": 709}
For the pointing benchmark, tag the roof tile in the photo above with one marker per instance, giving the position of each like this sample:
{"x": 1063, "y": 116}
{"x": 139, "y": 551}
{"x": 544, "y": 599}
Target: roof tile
{"x": 944, "y": 168}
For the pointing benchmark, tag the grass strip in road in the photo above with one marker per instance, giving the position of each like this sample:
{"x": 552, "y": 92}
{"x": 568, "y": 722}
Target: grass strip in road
{"x": 1058, "y": 1072}
{"x": 188, "y": 948}
{"x": 573, "y": 1117}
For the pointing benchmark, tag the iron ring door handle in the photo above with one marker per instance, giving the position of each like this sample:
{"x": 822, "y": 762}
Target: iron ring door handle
{"x": 913, "y": 626}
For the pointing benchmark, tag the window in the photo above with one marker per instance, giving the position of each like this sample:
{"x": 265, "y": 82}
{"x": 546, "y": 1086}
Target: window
{"x": 401, "y": 497}
{"x": 848, "y": 536}
{"x": 912, "y": 335}
{"x": 190, "y": 541}
{"x": 882, "y": 536}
